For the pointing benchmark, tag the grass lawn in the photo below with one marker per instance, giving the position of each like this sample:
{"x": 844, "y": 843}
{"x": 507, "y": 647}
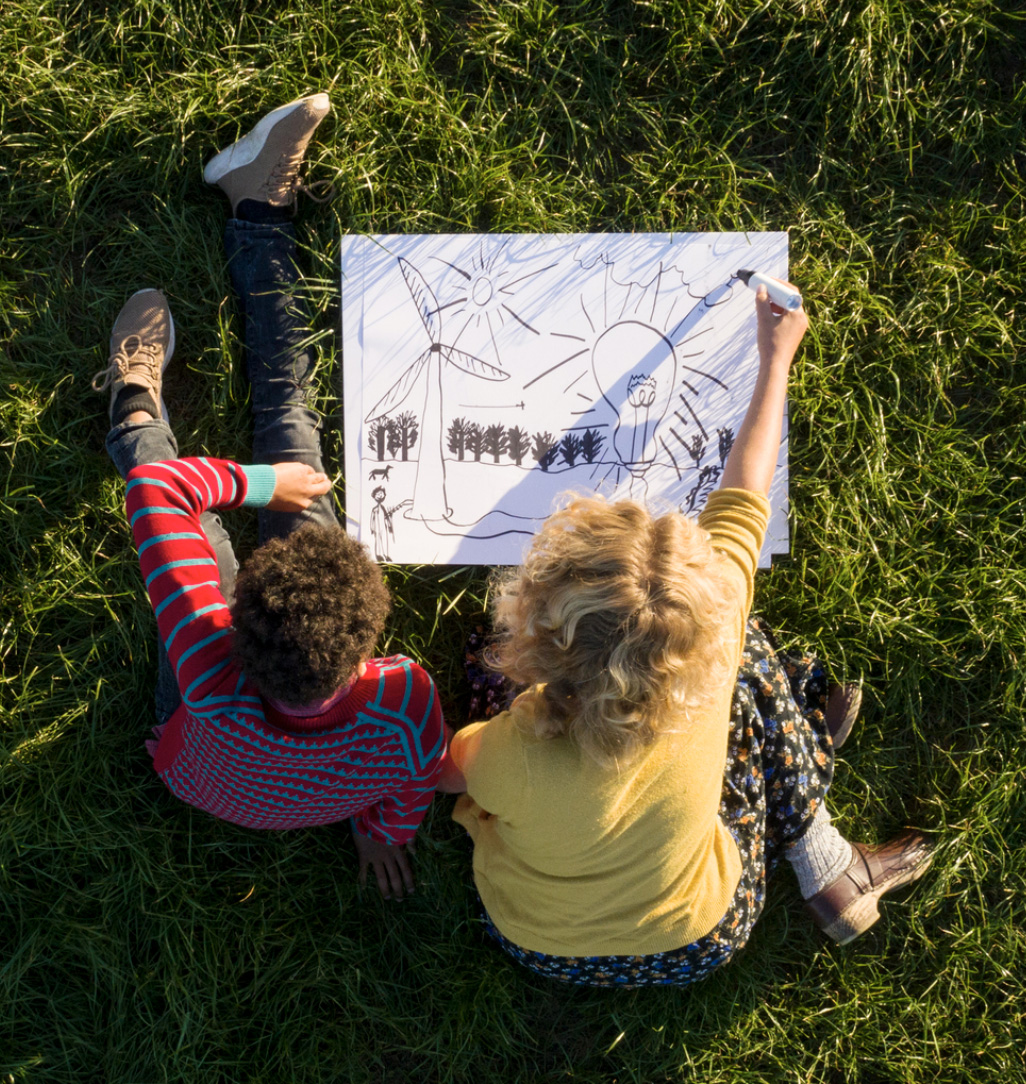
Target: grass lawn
{"x": 142, "y": 941}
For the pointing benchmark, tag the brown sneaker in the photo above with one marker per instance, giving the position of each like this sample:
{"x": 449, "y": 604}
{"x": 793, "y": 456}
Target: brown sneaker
{"x": 847, "y": 906}
{"x": 264, "y": 165}
{"x": 141, "y": 344}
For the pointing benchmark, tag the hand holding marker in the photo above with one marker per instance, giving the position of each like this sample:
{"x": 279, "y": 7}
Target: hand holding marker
{"x": 787, "y": 297}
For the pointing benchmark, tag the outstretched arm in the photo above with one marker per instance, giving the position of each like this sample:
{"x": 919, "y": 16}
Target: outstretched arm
{"x": 753, "y": 458}
{"x": 164, "y": 502}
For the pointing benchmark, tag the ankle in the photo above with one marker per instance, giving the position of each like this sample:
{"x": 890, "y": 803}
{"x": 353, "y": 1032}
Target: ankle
{"x": 820, "y": 856}
{"x": 133, "y": 404}
{"x": 261, "y": 213}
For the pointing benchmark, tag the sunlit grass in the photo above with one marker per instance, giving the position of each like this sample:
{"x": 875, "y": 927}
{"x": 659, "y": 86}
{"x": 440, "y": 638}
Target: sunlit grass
{"x": 141, "y": 941}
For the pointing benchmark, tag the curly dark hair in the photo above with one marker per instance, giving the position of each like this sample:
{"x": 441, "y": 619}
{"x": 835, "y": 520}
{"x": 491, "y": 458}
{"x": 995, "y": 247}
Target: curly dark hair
{"x": 307, "y": 610}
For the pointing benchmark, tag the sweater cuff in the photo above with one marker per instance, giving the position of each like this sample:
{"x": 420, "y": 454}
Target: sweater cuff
{"x": 260, "y": 482}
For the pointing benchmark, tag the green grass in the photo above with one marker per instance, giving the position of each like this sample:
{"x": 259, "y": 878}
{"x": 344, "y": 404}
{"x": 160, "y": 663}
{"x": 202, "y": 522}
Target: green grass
{"x": 142, "y": 941}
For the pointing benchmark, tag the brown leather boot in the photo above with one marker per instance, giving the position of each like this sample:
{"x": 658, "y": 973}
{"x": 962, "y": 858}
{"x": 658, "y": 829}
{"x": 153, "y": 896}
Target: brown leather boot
{"x": 847, "y": 906}
{"x": 842, "y": 709}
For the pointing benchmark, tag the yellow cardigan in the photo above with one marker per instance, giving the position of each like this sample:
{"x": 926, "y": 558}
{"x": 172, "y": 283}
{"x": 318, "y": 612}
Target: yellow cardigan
{"x": 574, "y": 859}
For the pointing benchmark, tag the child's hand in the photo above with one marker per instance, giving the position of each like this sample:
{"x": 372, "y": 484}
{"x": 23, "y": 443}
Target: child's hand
{"x": 391, "y": 866}
{"x": 296, "y": 487}
{"x": 779, "y": 332}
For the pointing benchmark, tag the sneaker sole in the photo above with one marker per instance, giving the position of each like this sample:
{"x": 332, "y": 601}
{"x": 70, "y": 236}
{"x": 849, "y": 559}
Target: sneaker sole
{"x": 245, "y": 150}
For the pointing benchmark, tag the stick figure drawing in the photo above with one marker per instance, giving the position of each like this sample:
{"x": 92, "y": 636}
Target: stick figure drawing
{"x": 382, "y": 524}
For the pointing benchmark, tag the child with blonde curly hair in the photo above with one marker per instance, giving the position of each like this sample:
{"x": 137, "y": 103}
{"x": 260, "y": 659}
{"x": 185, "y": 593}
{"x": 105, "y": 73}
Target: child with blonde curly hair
{"x": 627, "y": 807}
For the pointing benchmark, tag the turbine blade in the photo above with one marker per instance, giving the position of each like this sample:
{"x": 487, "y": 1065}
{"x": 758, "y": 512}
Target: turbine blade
{"x": 399, "y": 390}
{"x": 475, "y": 366}
{"x": 423, "y": 298}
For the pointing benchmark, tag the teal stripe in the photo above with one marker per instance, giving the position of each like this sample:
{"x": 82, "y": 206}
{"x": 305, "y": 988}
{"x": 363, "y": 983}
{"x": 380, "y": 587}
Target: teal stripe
{"x": 157, "y": 509}
{"x": 181, "y": 591}
{"x": 217, "y": 477}
{"x": 194, "y": 616}
{"x": 149, "y": 481}
{"x": 157, "y": 538}
{"x": 206, "y": 484}
{"x": 187, "y": 695}
{"x": 202, "y": 644}
{"x": 192, "y": 482}
{"x": 192, "y": 562}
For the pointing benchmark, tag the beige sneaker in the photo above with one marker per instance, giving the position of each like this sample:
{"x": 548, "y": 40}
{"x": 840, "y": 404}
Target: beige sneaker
{"x": 264, "y": 165}
{"x": 141, "y": 344}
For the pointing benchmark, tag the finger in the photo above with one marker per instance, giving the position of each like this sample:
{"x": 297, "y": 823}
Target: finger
{"x": 404, "y": 868}
{"x": 379, "y": 872}
{"x": 763, "y": 305}
{"x": 395, "y": 878}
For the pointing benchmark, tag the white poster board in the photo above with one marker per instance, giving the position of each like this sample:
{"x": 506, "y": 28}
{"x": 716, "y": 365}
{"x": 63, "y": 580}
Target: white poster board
{"x": 484, "y": 375}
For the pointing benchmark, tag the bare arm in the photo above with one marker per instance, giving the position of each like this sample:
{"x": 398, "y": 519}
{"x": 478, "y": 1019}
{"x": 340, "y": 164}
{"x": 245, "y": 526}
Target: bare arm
{"x": 753, "y": 458}
{"x": 451, "y": 781}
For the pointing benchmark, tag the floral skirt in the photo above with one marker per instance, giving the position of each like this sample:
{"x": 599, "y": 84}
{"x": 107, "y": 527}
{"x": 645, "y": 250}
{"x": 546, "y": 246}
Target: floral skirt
{"x": 780, "y": 762}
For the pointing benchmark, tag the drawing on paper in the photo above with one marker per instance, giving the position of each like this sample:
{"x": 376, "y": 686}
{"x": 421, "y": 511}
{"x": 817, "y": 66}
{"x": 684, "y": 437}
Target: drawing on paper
{"x": 486, "y": 375}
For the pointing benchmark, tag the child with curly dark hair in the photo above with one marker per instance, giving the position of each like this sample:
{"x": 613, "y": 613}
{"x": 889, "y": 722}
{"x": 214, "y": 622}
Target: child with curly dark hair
{"x": 272, "y": 713}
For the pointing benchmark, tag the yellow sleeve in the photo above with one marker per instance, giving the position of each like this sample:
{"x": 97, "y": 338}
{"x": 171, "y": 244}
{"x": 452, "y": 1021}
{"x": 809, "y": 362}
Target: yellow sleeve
{"x": 736, "y": 520}
{"x": 490, "y": 756}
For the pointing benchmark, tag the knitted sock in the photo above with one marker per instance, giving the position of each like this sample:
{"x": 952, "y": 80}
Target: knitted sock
{"x": 130, "y": 399}
{"x": 820, "y": 856}
{"x": 264, "y": 214}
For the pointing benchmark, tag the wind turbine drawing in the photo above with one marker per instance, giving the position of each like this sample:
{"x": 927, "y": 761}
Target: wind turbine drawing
{"x": 429, "y": 497}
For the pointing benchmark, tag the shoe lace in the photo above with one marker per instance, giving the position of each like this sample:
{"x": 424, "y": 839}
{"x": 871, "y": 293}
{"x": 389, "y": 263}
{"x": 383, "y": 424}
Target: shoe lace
{"x": 284, "y": 183}
{"x": 132, "y": 353}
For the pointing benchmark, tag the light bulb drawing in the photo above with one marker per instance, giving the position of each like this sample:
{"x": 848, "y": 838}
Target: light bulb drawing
{"x": 635, "y": 368}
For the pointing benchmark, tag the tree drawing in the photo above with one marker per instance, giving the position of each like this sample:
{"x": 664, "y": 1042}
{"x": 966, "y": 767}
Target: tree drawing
{"x": 429, "y": 497}
{"x": 570, "y": 448}
{"x": 707, "y": 479}
{"x": 402, "y": 434}
{"x": 518, "y": 444}
{"x": 591, "y": 444}
{"x": 377, "y": 437}
{"x": 545, "y": 450}
{"x": 392, "y": 437}
{"x": 726, "y": 438}
{"x": 695, "y": 448}
{"x": 457, "y": 437}
{"x": 495, "y": 442}
{"x": 474, "y": 441}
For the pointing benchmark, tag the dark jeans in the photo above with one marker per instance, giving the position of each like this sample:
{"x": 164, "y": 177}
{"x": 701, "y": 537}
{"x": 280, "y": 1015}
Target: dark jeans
{"x": 262, "y": 264}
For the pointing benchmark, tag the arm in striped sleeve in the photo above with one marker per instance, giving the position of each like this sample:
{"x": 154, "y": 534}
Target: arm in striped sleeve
{"x": 396, "y": 818}
{"x": 164, "y": 502}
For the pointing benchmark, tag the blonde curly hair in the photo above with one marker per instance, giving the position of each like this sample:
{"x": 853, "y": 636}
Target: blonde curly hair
{"x": 620, "y": 616}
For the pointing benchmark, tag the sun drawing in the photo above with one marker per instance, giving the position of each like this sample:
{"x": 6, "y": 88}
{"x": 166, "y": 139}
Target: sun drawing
{"x": 639, "y": 342}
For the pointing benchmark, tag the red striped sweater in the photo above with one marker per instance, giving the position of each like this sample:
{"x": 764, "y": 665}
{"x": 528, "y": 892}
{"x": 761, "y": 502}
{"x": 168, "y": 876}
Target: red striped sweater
{"x": 374, "y": 755}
